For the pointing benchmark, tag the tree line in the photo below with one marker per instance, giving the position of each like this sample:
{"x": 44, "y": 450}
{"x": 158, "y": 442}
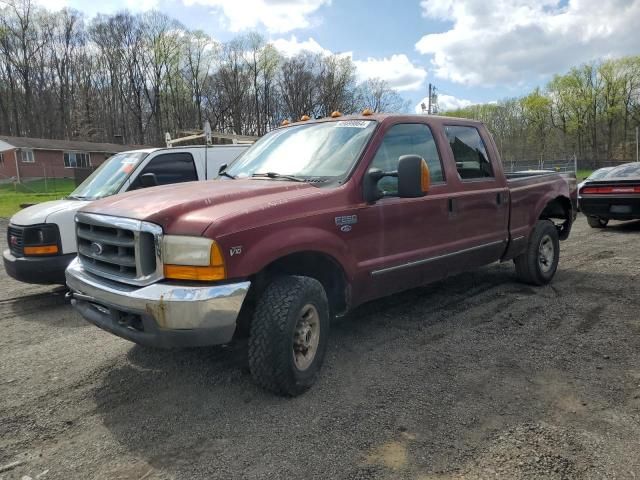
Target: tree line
{"x": 589, "y": 113}
{"x": 132, "y": 77}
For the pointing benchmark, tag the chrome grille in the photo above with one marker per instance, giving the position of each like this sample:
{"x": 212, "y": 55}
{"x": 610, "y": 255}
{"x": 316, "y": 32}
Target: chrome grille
{"x": 119, "y": 249}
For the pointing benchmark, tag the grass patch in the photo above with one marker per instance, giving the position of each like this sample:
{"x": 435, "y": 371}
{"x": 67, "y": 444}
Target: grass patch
{"x": 36, "y": 191}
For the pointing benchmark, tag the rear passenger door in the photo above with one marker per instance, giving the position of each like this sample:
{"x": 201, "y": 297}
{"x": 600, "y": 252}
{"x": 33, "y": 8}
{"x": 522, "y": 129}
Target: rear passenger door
{"x": 479, "y": 209}
{"x": 173, "y": 167}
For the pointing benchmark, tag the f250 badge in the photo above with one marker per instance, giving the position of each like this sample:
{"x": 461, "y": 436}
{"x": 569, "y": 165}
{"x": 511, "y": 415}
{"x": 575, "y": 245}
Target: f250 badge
{"x": 345, "y": 222}
{"x": 235, "y": 250}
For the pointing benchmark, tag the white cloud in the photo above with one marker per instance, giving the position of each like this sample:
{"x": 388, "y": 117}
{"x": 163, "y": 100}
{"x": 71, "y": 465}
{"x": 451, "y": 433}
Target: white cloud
{"x": 278, "y": 16}
{"x": 397, "y": 71}
{"x": 53, "y": 5}
{"x": 445, "y": 103}
{"x": 516, "y": 41}
{"x": 292, "y": 47}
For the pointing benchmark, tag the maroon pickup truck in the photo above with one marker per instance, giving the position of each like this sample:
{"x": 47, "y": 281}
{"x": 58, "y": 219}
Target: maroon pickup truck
{"x": 313, "y": 220}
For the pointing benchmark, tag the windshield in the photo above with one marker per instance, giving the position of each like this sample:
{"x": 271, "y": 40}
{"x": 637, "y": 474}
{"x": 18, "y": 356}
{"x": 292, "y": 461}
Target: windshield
{"x": 108, "y": 177}
{"x": 326, "y": 150}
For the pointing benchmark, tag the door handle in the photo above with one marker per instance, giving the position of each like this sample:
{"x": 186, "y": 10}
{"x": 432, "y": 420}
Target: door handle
{"x": 451, "y": 206}
{"x": 500, "y": 198}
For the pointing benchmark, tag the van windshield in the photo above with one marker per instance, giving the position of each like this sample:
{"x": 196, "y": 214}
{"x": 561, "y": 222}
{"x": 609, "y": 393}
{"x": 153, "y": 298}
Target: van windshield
{"x": 324, "y": 150}
{"x": 108, "y": 177}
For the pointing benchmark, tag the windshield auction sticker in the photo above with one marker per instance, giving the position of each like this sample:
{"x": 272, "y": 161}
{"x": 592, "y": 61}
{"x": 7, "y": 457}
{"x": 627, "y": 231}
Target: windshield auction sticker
{"x": 353, "y": 124}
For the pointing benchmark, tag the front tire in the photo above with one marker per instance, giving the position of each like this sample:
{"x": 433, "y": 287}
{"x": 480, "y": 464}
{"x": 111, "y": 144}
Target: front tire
{"x": 288, "y": 335}
{"x": 538, "y": 264}
{"x": 597, "y": 222}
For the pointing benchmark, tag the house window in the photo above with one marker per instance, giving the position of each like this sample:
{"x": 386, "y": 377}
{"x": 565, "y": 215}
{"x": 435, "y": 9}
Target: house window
{"x": 76, "y": 160}
{"x": 27, "y": 156}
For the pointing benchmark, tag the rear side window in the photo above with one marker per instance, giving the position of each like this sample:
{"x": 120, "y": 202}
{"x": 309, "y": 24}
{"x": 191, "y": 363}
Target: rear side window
{"x": 406, "y": 139}
{"x": 169, "y": 168}
{"x": 469, "y": 152}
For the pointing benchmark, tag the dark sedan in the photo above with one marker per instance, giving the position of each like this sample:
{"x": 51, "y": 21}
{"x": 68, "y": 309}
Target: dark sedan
{"x": 615, "y": 196}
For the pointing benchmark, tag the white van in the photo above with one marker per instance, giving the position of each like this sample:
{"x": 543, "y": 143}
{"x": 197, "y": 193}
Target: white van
{"x": 41, "y": 238}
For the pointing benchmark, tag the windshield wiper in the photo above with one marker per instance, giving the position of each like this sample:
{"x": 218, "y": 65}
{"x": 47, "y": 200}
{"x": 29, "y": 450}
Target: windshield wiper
{"x": 278, "y": 175}
{"x": 224, "y": 173}
{"x": 77, "y": 197}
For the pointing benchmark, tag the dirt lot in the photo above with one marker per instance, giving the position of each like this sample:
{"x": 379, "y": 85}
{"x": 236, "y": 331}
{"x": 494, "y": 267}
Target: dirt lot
{"x": 476, "y": 376}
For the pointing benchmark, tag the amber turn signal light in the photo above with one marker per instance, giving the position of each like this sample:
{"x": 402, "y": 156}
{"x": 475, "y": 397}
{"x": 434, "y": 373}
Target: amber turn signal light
{"x": 367, "y": 112}
{"x": 285, "y": 122}
{"x": 209, "y": 273}
{"x": 304, "y": 118}
{"x": 425, "y": 177}
{"x": 41, "y": 250}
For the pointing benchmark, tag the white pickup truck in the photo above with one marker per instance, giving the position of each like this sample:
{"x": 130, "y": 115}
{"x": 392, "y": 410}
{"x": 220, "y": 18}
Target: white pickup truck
{"x": 42, "y": 239}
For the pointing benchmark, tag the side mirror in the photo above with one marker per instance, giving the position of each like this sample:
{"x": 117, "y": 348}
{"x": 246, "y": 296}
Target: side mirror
{"x": 148, "y": 180}
{"x": 222, "y": 168}
{"x": 414, "y": 179}
{"x": 371, "y": 191}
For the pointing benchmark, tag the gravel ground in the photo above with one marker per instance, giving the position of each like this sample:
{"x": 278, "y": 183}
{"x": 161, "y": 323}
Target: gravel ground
{"x": 473, "y": 377}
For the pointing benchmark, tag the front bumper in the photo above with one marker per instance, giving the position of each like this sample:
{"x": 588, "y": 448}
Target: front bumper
{"x": 42, "y": 270}
{"x": 611, "y": 207}
{"x": 164, "y": 314}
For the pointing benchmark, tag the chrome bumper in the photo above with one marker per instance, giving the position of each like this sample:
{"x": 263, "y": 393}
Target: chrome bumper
{"x": 161, "y": 314}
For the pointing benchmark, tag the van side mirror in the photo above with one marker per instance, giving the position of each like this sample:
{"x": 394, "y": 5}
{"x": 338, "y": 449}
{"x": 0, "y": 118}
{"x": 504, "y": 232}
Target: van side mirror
{"x": 148, "y": 180}
{"x": 414, "y": 179}
{"x": 222, "y": 168}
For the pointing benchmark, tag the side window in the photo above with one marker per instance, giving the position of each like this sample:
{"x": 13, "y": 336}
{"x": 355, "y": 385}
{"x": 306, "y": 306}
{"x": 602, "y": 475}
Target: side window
{"x": 407, "y": 139}
{"x": 169, "y": 168}
{"x": 469, "y": 152}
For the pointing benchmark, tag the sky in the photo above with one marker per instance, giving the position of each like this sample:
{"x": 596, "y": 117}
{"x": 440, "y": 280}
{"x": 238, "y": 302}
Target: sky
{"x": 472, "y": 51}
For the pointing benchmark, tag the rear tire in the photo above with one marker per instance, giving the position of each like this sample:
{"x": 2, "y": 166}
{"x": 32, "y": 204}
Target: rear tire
{"x": 538, "y": 264}
{"x": 288, "y": 335}
{"x": 597, "y": 222}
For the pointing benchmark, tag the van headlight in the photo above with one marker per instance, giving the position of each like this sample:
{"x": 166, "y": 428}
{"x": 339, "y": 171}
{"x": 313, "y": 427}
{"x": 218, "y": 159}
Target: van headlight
{"x": 192, "y": 258}
{"x": 41, "y": 240}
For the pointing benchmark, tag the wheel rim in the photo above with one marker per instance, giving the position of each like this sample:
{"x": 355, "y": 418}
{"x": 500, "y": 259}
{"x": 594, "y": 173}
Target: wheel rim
{"x": 546, "y": 254}
{"x": 306, "y": 337}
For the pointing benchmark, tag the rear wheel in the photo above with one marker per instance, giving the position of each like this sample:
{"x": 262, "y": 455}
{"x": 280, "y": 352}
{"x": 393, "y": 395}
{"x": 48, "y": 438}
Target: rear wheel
{"x": 538, "y": 264}
{"x": 597, "y": 222}
{"x": 288, "y": 335}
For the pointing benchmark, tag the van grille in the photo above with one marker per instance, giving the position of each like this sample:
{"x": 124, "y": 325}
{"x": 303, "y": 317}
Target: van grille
{"x": 15, "y": 240}
{"x": 119, "y": 249}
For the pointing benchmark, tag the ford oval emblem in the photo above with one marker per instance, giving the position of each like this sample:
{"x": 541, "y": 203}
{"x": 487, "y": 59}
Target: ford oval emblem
{"x": 345, "y": 228}
{"x": 97, "y": 248}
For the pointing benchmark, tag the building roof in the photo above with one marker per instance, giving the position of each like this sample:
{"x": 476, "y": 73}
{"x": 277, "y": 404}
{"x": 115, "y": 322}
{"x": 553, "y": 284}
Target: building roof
{"x": 77, "y": 145}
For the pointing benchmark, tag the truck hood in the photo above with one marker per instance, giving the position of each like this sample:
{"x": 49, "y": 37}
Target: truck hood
{"x": 189, "y": 208}
{"x": 40, "y": 213}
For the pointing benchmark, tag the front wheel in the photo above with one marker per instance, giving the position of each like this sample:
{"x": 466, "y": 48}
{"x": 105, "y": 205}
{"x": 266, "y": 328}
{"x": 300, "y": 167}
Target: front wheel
{"x": 288, "y": 335}
{"x": 538, "y": 264}
{"x": 597, "y": 222}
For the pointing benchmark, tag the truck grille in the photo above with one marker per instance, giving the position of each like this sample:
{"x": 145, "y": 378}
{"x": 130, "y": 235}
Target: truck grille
{"x": 15, "y": 240}
{"x": 119, "y": 249}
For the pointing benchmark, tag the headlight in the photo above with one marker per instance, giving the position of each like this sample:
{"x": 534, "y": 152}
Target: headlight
{"x": 192, "y": 258}
{"x": 41, "y": 240}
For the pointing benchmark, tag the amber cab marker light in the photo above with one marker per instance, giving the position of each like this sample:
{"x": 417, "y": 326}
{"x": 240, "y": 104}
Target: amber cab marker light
{"x": 336, "y": 114}
{"x": 41, "y": 250}
{"x": 285, "y": 122}
{"x": 304, "y": 118}
{"x": 367, "y": 112}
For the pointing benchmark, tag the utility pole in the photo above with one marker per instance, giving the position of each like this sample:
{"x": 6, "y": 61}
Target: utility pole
{"x": 429, "y": 108}
{"x": 637, "y": 129}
